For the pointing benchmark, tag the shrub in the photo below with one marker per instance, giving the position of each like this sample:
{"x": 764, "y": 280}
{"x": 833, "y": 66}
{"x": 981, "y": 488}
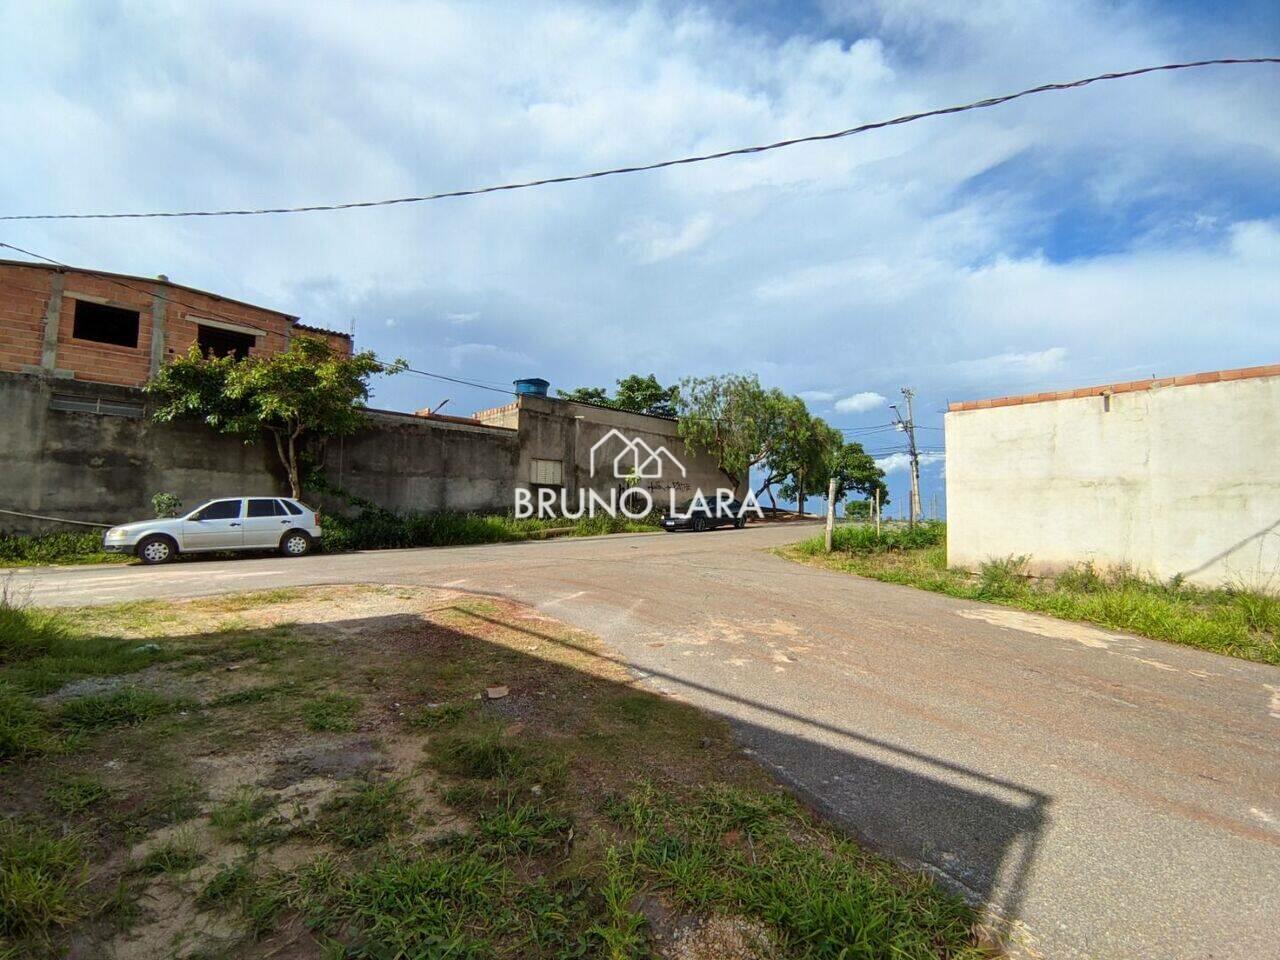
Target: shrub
{"x": 863, "y": 539}
{"x": 165, "y": 505}
{"x": 1082, "y": 578}
{"x": 1002, "y": 578}
{"x": 17, "y": 550}
{"x": 377, "y": 529}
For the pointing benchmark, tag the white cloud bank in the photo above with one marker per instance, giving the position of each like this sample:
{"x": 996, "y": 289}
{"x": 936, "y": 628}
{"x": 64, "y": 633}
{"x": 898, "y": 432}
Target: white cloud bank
{"x": 901, "y": 462}
{"x": 860, "y": 402}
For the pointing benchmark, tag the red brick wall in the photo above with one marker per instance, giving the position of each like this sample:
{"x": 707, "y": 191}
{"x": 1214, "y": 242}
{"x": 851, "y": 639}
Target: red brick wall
{"x": 24, "y": 297}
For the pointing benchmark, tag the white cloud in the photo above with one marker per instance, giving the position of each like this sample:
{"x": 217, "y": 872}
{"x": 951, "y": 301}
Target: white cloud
{"x": 817, "y": 396}
{"x": 654, "y": 241}
{"x": 860, "y": 402}
{"x": 1034, "y": 363}
{"x": 901, "y": 462}
{"x": 461, "y": 317}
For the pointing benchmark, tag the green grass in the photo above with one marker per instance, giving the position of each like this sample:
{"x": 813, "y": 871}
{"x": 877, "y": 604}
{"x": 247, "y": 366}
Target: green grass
{"x": 518, "y": 826}
{"x": 240, "y": 817}
{"x": 368, "y": 813}
{"x": 73, "y": 795}
{"x": 1234, "y": 621}
{"x": 178, "y": 854}
{"x": 333, "y": 711}
{"x": 438, "y": 716}
{"x": 40, "y": 651}
{"x": 17, "y": 550}
{"x": 123, "y": 707}
{"x": 41, "y": 876}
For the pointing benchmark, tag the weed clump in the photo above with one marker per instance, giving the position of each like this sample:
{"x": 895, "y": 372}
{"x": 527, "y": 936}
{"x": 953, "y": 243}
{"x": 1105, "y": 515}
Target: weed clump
{"x": 41, "y": 876}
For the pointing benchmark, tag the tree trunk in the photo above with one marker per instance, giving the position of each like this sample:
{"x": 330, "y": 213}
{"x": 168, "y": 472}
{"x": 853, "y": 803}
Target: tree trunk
{"x": 289, "y": 460}
{"x": 295, "y": 485}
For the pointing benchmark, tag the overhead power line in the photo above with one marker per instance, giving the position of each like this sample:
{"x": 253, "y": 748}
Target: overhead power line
{"x": 662, "y": 164}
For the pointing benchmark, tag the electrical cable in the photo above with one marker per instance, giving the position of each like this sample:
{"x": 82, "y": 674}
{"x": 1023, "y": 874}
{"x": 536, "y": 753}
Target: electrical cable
{"x": 639, "y": 168}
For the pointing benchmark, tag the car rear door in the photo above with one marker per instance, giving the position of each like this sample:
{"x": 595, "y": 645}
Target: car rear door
{"x": 216, "y": 526}
{"x": 264, "y": 521}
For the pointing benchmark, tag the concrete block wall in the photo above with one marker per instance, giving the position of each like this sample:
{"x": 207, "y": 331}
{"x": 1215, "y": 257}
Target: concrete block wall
{"x": 104, "y": 469}
{"x": 1179, "y": 476}
{"x": 555, "y": 429}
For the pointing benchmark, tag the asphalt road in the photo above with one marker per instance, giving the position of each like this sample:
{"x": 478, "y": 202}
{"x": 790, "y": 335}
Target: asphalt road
{"x": 1109, "y": 796}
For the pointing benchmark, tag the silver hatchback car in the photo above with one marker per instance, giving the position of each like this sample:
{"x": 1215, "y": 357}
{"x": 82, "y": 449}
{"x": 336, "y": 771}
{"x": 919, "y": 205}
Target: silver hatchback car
{"x": 236, "y": 523}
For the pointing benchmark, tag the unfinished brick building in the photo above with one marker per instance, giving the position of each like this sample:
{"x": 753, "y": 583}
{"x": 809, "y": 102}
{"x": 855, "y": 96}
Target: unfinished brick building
{"x": 89, "y": 325}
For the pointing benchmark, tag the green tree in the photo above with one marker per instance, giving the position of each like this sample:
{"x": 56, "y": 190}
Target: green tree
{"x": 306, "y": 392}
{"x": 635, "y": 393}
{"x": 809, "y": 451}
{"x": 734, "y": 419}
{"x": 587, "y": 395}
{"x": 646, "y": 395}
{"x": 854, "y": 469}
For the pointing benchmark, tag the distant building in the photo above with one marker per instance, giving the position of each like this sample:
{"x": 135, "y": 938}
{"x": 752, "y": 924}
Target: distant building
{"x": 1178, "y": 476}
{"x": 71, "y": 323}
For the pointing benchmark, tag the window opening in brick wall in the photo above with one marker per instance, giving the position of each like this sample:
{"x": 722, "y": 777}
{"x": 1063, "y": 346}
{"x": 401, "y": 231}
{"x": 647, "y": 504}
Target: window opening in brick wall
{"x": 223, "y": 343}
{"x": 103, "y": 324}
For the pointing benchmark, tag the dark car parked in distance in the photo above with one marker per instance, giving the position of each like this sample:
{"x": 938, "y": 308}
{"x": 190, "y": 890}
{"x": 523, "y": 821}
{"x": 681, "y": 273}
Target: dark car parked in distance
{"x": 698, "y": 515}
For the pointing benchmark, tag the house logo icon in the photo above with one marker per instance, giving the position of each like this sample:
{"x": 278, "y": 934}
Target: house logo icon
{"x": 637, "y": 460}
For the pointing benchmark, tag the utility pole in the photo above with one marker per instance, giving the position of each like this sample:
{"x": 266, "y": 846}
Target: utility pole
{"x": 831, "y": 511}
{"x": 908, "y": 426}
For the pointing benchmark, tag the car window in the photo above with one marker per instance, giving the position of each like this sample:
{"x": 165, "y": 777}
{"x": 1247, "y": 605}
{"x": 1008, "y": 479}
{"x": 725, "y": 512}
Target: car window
{"x": 264, "y": 508}
{"x": 220, "y": 510}
{"x": 292, "y": 507}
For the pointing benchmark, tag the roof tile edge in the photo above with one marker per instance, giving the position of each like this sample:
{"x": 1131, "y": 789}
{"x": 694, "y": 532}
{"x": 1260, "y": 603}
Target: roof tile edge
{"x": 1129, "y": 386}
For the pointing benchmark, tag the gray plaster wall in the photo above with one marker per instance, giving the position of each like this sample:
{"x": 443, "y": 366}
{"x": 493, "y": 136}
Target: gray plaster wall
{"x": 407, "y": 463}
{"x": 104, "y": 469}
{"x": 554, "y": 429}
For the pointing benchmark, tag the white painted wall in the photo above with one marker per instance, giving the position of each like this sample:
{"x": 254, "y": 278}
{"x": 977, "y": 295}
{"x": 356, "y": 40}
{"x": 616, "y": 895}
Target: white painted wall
{"x": 1173, "y": 480}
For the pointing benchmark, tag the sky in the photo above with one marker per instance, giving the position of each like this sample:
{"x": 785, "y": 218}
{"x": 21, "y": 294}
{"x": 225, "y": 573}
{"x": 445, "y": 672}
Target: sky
{"x": 1128, "y": 230}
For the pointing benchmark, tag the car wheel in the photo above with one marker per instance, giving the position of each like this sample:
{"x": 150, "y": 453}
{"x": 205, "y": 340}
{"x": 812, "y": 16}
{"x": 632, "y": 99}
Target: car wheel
{"x": 699, "y": 524}
{"x": 295, "y": 543}
{"x": 739, "y": 523}
{"x": 156, "y": 549}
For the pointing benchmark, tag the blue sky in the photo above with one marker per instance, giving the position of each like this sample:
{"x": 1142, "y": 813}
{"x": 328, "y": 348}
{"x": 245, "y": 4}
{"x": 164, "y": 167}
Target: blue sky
{"x": 1122, "y": 231}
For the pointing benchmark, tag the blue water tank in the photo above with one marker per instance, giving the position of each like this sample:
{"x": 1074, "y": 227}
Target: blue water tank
{"x": 533, "y": 386}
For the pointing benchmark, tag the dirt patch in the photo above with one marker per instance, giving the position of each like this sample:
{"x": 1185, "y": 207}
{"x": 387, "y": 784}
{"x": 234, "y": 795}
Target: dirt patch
{"x": 720, "y": 938}
{"x": 335, "y": 759}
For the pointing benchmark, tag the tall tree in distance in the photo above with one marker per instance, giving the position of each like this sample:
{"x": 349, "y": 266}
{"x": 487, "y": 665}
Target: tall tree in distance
{"x": 639, "y": 394}
{"x": 734, "y": 419}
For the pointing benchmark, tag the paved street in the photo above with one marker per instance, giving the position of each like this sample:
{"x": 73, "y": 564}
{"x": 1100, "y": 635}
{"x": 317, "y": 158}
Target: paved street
{"x": 1110, "y": 796}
